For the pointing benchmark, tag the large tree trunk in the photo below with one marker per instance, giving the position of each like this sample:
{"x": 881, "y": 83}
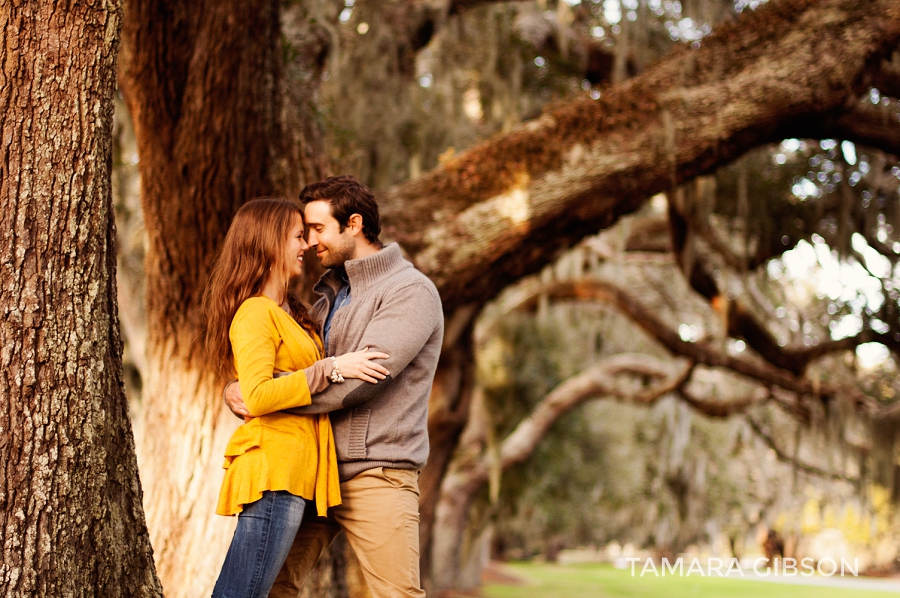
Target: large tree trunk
{"x": 71, "y": 522}
{"x": 200, "y": 81}
{"x": 204, "y": 83}
{"x": 448, "y": 412}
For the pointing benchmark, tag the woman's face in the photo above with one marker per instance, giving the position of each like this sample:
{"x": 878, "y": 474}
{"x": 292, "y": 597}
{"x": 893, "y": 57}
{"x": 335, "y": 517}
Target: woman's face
{"x": 296, "y": 246}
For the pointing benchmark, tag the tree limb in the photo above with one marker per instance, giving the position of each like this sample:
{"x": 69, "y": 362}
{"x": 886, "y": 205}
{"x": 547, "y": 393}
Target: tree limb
{"x": 593, "y": 382}
{"x": 862, "y": 122}
{"x": 701, "y": 353}
{"x": 511, "y": 204}
{"x": 782, "y": 456}
{"x": 741, "y": 320}
{"x": 743, "y": 324}
{"x": 722, "y": 408}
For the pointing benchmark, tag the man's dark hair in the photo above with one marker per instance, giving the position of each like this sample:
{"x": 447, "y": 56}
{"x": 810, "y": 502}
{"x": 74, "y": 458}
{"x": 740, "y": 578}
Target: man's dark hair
{"x": 347, "y": 196}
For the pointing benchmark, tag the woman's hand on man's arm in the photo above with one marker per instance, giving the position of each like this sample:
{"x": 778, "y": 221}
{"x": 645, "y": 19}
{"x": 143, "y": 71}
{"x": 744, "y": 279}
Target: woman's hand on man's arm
{"x": 359, "y": 365}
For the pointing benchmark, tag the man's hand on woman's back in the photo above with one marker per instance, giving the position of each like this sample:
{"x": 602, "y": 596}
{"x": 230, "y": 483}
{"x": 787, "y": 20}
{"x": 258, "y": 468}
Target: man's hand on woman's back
{"x": 235, "y": 400}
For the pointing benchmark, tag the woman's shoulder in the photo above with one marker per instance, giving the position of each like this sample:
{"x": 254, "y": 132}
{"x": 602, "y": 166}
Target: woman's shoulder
{"x": 260, "y": 311}
{"x": 259, "y": 302}
{"x": 255, "y": 311}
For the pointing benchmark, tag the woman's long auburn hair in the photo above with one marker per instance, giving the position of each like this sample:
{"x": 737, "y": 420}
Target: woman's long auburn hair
{"x": 254, "y": 248}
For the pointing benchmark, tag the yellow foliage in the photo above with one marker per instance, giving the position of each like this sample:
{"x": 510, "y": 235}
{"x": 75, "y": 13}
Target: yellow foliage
{"x": 446, "y": 156}
{"x": 780, "y": 523}
{"x": 492, "y": 368}
{"x": 882, "y": 508}
{"x": 857, "y": 529}
{"x": 811, "y": 520}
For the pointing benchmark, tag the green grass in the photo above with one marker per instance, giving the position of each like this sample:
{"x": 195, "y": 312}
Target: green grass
{"x": 603, "y": 581}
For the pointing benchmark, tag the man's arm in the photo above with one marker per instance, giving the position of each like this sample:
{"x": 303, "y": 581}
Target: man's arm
{"x": 400, "y": 327}
{"x": 234, "y": 400}
{"x": 356, "y": 365}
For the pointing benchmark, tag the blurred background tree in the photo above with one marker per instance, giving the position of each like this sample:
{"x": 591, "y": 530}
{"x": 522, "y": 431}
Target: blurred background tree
{"x": 745, "y": 318}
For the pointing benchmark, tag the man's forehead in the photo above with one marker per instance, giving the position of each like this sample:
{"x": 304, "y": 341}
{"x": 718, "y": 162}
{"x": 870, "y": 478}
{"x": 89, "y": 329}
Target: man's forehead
{"x": 318, "y": 212}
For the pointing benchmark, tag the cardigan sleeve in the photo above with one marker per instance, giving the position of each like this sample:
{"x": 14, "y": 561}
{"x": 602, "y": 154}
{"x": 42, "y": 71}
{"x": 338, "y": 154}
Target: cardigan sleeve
{"x": 255, "y": 341}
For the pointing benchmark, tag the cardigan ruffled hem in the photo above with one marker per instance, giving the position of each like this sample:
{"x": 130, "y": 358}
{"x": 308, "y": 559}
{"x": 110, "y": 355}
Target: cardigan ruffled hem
{"x": 247, "y": 473}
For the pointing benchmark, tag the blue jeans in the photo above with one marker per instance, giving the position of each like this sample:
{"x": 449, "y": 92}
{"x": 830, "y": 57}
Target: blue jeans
{"x": 262, "y": 540}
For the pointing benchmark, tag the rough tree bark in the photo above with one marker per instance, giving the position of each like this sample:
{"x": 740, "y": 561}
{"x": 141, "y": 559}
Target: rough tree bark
{"x": 71, "y": 522}
{"x": 453, "y": 388}
{"x": 513, "y": 203}
{"x": 200, "y": 84}
{"x": 215, "y": 125}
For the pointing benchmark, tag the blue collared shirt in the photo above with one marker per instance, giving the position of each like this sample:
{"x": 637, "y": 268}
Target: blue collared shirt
{"x": 342, "y": 299}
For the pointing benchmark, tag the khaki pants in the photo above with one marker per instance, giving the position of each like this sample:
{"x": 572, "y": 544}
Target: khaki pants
{"x": 380, "y": 515}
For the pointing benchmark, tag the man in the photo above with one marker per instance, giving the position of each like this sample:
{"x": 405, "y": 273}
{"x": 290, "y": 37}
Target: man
{"x": 370, "y": 297}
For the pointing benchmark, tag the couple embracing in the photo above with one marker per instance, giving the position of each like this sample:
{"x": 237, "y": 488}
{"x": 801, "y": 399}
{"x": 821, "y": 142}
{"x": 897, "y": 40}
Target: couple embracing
{"x": 334, "y": 397}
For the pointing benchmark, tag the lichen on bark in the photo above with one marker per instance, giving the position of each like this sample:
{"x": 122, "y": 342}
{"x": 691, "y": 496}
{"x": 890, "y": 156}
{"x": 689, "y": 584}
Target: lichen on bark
{"x": 71, "y": 521}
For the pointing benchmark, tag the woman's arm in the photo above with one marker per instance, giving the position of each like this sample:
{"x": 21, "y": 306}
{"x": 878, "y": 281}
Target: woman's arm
{"x": 358, "y": 364}
{"x": 255, "y": 340}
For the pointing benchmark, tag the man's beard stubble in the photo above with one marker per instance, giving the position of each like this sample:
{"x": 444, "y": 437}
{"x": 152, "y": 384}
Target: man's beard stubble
{"x": 338, "y": 256}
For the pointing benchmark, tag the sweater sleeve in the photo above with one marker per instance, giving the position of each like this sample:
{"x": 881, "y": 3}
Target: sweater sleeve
{"x": 317, "y": 375}
{"x": 255, "y": 340}
{"x": 400, "y": 327}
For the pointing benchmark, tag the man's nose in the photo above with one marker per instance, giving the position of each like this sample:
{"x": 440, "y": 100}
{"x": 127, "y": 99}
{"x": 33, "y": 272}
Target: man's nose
{"x": 311, "y": 239}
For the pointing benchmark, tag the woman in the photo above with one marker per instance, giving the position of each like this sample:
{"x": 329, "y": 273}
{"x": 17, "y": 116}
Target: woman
{"x": 256, "y": 328}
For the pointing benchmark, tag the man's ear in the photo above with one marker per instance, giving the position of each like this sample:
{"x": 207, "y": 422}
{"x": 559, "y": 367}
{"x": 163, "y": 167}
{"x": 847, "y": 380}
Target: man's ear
{"x": 355, "y": 224}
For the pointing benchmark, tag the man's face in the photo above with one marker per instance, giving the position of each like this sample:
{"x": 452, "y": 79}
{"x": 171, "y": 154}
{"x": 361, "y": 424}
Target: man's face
{"x": 332, "y": 246}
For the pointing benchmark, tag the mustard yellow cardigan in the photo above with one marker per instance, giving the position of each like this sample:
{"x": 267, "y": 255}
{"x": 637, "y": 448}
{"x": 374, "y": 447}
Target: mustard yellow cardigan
{"x": 276, "y": 451}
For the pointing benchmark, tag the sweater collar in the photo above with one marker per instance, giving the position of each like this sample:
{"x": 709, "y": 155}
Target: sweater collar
{"x": 365, "y": 272}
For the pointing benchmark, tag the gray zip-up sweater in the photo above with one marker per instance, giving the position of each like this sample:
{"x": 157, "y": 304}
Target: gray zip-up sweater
{"x": 393, "y": 308}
